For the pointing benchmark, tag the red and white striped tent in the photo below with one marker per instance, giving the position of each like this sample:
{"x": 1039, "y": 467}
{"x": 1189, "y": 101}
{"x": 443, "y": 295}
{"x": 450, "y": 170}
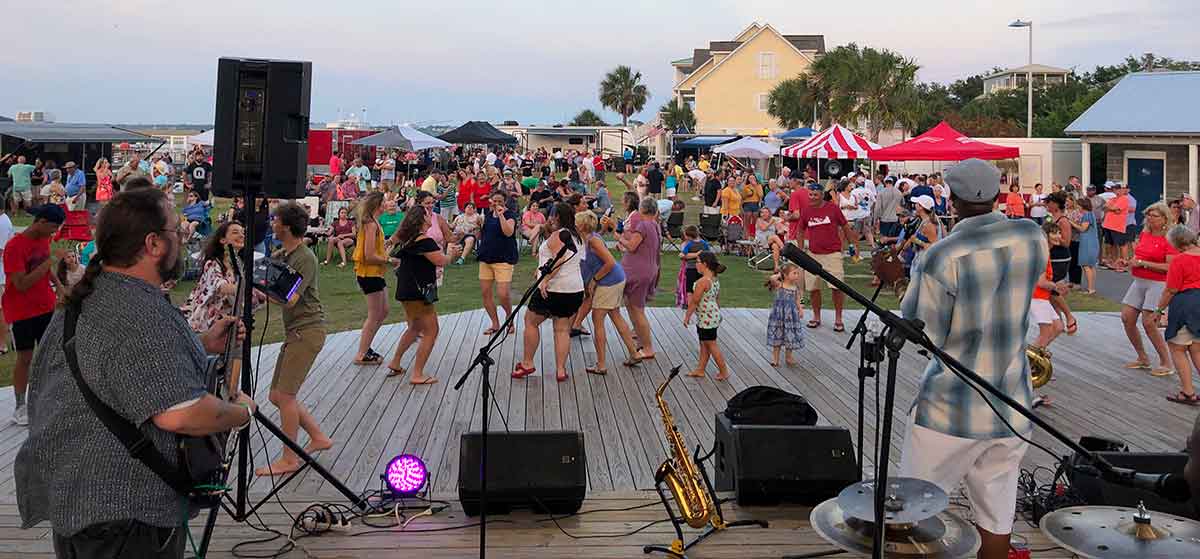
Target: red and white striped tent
{"x": 835, "y": 142}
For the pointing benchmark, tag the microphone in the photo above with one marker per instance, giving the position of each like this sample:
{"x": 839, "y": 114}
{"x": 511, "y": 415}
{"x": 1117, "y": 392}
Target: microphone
{"x": 551, "y": 263}
{"x": 1171, "y": 486}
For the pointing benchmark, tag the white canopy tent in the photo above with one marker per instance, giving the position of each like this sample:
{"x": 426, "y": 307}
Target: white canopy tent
{"x": 201, "y": 139}
{"x": 750, "y": 148}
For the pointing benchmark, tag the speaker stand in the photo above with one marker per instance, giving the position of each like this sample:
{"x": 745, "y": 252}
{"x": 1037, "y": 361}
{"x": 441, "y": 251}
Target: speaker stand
{"x": 678, "y": 549}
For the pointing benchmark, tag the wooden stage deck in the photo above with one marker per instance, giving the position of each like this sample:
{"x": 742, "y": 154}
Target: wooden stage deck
{"x": 373, "y": 418}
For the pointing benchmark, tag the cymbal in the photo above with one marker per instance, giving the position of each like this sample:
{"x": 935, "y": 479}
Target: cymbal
{"x": 941, "y": 536}
{"x": 909, "y": 500}
{"x": 1103, "y": 532}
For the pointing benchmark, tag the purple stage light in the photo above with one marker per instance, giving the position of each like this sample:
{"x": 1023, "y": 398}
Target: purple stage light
{"x": 405, "y": 475}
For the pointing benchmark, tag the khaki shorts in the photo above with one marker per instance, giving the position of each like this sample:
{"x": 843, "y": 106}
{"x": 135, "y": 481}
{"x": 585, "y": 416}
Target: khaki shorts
{"x": 1182, "y": 337}
{"x": 499, "y": 271}
{"x": 417, "y": 309}
{"x": 296, "y": 357}
{"x": 832, "y": 263}
{"x": 607, "y": 298}
{"x": 19, "y": 196}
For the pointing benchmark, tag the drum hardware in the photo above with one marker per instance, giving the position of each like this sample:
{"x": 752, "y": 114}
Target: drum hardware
{"x": 1103, "y": 532}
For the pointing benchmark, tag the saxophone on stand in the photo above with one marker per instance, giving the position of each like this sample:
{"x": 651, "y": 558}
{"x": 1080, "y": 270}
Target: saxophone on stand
{"x": 685, "y": 477}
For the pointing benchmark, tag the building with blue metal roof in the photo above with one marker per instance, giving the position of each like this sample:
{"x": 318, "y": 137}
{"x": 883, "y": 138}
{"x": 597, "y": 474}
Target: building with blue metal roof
{"x": 1150, "y": 125}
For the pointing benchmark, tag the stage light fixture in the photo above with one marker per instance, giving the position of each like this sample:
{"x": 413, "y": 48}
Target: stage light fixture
{"x": 405, "y": 475}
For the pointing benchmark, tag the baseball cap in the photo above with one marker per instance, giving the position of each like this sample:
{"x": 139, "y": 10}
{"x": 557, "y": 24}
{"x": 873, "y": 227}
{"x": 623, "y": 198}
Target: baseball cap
{"x": 1109, "y": 184}
{"x": 69, "y": 165}
{"x": 924, "y": 201}
{"x": 850, "y": 175}
{"x": 1118, "y": 184}
{"x": 815, "y": 186}
{"x": 889, "y": 179}
{"x": 1091, "y": 187}
{"x": 974, "y": 180}
{"x": 49, "y": 212}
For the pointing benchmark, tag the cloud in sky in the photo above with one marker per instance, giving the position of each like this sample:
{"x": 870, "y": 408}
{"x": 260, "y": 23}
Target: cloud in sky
{"x": 530, "y": 61}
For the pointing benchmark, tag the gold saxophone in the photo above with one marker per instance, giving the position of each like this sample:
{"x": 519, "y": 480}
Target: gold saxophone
{"x": 680, "y": 473}
{"x": 1040, "y": 367}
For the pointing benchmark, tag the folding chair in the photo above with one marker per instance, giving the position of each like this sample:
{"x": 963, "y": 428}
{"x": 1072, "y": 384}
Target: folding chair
{"x": 673, "y": 229}
{"x": 759, "y": 256}
{"x": 711, "y": 229}
{"x": 735, "y": 238}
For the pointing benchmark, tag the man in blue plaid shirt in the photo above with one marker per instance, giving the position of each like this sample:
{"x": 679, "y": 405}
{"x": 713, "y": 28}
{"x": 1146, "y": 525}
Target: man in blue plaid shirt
{"x": 973, "y": 291}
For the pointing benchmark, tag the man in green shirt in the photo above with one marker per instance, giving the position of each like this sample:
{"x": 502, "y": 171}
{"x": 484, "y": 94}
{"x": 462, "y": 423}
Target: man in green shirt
{"x": 304, "y": 336}
{"x": 447, "y": 195}
{"x": 363, "y": 173}
{"x": 21, "y": 174}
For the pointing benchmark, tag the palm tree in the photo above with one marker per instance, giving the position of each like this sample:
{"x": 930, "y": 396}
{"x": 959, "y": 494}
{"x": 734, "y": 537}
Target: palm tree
{"x": 587, "y": 117}
{"x": 675, "y": 115}
{"x": 865, "y": 86}
{"x": 794, "y": 102}
{"x": 623, "y": 91}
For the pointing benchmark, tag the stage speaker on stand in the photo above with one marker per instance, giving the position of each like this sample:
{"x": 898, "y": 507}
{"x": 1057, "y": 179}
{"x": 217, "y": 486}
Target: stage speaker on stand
{"x": 545, "y": 471}
{"x": 261, "y": 136}
{"x": 772, "y": 464}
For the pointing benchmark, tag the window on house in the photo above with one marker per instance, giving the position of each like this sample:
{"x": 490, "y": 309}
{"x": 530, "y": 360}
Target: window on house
{"x": 575, "y": 141}
{"x": 766, "y": 65}
{"x": 762, "y": 102}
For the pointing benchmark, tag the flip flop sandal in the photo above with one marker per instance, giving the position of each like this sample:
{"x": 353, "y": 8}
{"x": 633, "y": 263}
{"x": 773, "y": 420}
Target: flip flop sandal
{"x": 371, "y": 358}
{"x": 1161, "y": 372}
{"x": 595, "y": 371}
{"x": 1137, "y": 365}
{"x": 521, "y": 372}
{"x": 632, "y": 361}
{"x": 814, "y": 324}
{"x": 490, "y": 331}
{"x": 839, "y": 327}
{"x": 426, "y": 380}
{"x": 561, "y": 378}
{"x": 1183, "y": 398}
{"x": 396, "y": 372}
{"x": 1073, "y": 327}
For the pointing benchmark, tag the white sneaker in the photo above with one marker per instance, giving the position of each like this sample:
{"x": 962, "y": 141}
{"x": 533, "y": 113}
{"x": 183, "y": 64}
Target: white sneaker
{"x": 21, "y": 415}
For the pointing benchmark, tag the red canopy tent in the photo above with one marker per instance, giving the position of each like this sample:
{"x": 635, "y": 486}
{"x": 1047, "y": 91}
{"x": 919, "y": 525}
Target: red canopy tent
{"x": 943, "y": 143}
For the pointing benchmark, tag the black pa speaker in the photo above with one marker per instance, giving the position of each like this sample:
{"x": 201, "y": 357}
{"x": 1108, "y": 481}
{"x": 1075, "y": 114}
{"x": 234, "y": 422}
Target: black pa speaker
{"x": 772, "y": 464}
{"x": 260, "y": 141}
{"x": 1096, "y": 491}
{"x": 542, "y": 470}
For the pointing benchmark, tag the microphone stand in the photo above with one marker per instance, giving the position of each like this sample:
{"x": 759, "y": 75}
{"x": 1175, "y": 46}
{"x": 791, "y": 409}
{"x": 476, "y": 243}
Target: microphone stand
{"x": 898, "y": 332}
{"x": 869, "y": 356}
{"x": 484, "y": 360}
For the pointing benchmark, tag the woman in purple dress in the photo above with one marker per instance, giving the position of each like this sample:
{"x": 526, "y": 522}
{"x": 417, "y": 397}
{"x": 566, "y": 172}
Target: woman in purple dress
{"x": 642, "y": 244}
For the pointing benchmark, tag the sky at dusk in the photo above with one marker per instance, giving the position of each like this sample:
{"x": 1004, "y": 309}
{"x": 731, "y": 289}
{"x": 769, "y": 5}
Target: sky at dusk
{"x": 154, "y": 61}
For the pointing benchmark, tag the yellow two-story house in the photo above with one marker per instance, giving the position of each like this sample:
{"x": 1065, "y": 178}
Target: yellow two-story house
{"x": 727, "y": 83}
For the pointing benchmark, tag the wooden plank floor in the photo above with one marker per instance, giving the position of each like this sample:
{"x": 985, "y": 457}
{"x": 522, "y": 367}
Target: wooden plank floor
{"x": 373, "y": 418}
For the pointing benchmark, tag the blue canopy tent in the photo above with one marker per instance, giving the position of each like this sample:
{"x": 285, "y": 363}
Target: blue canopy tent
{"x": 796, "y": 134}
{"x": 700, "y": 142}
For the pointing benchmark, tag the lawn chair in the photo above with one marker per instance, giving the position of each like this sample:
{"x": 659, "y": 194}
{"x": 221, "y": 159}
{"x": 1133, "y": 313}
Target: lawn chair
{"x": 673, "y": 229}
{"x": 711, "y": 229}
{"x": 735, "y": 241}
{"x": 75, "y": 227}
{"x": 760, "y": 257}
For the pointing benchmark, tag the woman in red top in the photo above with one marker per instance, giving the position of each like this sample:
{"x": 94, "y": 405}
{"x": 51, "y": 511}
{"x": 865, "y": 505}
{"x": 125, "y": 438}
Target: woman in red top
{"x": 1182, "y": 297}
{"x": 466, "y": 189}
{"x": 1151, "y": 258}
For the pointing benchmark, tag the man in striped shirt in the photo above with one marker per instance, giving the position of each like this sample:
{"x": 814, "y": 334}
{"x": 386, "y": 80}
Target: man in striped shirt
{"x": 973, "y": 290}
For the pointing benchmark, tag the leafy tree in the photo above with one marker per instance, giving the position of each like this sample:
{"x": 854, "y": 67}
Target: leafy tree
{"x": 676, "y": 114}
{"x": 864, "y": 86}
{"x": 793, "y": 102}
{"x": 587, "y": 117}
{"x": 622, "y": 90}
{"x": 966, "y": 90}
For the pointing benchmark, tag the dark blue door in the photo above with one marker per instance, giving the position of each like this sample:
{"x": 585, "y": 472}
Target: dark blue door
{"x": 1145, "y": 183}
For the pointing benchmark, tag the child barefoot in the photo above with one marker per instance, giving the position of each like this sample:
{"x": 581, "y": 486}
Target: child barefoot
{"x": 784, "y": 325}
{"x": 705, "y": 305}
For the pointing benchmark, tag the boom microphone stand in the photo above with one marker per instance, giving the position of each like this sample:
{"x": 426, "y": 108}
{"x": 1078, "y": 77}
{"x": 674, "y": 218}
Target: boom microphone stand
{"x": 485, "y": 361}
{"x": 899, "y": 331}
{"x": 240, "y": 512}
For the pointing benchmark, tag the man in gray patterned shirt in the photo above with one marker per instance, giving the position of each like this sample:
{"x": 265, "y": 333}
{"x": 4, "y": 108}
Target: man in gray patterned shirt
{"x": 138, "y": 354}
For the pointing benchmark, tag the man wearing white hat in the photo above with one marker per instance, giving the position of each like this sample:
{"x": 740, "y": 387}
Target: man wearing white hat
{"x": 973, "y": 291}
{"x": 1118, "y": 211}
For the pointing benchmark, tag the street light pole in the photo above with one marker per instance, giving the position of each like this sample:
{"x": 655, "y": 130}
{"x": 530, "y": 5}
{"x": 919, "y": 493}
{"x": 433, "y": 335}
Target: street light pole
{"x": 1028, "y": 78}
{"x": 1029, "y": 88}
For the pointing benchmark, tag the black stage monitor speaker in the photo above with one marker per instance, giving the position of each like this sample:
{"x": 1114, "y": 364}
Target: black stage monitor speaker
{"x": 772, "y": 464}
{"x": 542, "y": 470}
{"x": 261, "y": 137}
{"x": 1096, "y": 491}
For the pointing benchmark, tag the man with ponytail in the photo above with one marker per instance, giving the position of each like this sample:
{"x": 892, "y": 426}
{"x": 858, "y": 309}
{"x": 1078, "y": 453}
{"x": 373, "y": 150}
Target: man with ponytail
{"x": 139, "y": 356}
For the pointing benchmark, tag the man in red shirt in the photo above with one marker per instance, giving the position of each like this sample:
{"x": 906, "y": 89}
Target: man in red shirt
{"x": 335, "y": 164}
{"x": 28, "y": 299}
{"x": 797, "y": 201}
{"x": 826, "y": 228}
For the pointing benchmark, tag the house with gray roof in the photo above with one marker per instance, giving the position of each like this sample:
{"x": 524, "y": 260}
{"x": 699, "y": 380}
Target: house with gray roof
{"x": 1150, "y": 125}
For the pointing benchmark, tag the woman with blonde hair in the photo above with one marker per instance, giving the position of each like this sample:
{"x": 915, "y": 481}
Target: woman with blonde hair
{"x": 371, "y": 262}
{"x": 1151, "y": 259}
{"x": 604, "y": 281}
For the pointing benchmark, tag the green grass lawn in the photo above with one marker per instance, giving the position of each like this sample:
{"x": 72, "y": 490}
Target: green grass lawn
{"x": 345, "y": 307}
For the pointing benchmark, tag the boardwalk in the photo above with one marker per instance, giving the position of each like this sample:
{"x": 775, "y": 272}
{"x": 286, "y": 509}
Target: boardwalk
{"x": 373, "y": 418}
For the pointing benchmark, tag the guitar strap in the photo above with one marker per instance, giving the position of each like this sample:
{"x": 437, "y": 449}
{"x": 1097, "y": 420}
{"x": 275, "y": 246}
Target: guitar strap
{"x": 139, "y": 446}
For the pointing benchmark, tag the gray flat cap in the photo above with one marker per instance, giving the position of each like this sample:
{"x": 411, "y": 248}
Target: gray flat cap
{"x": 974, "y": 180}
